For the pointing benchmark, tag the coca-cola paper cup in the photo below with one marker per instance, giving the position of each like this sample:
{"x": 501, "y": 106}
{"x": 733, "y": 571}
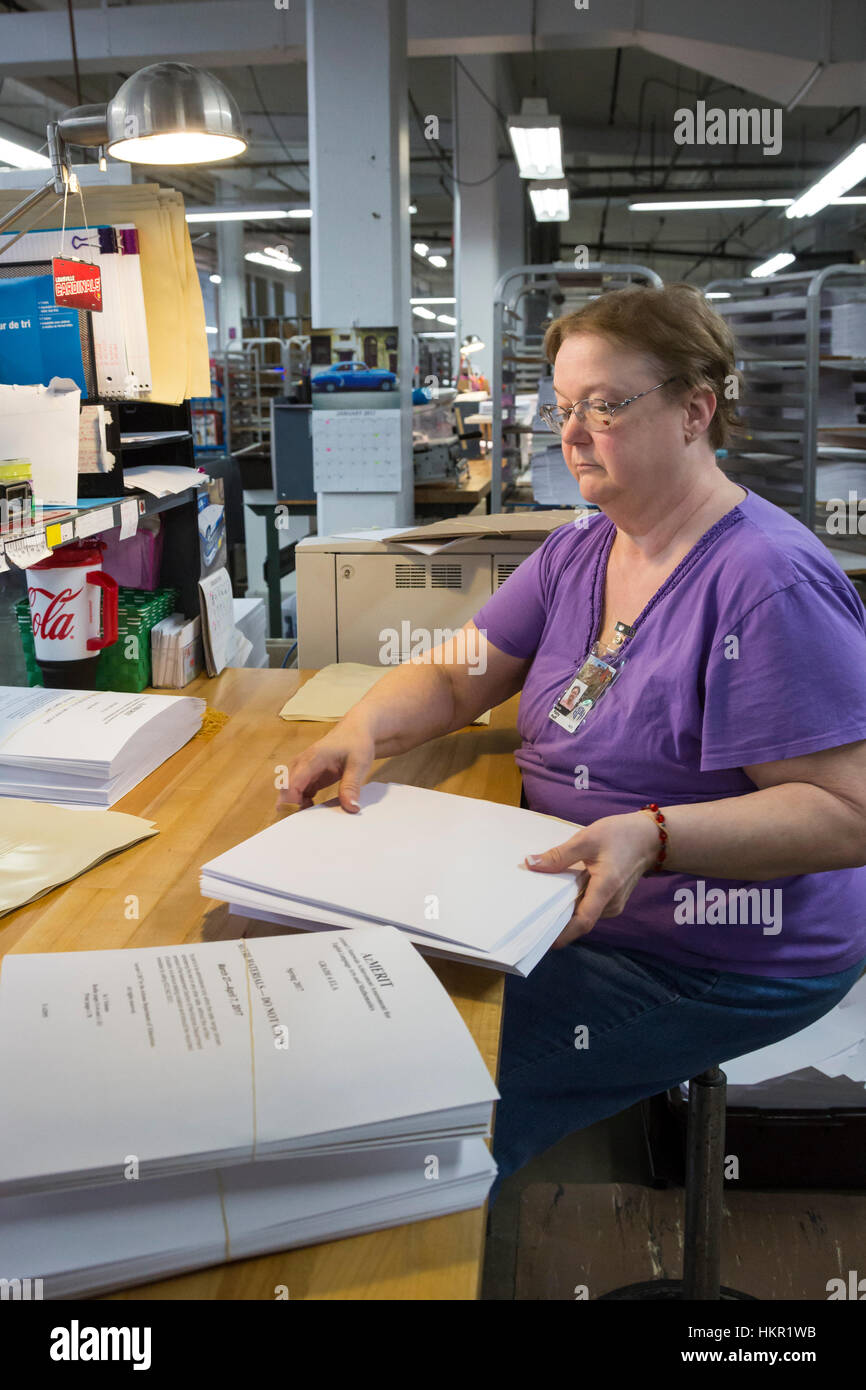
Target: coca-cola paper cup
{"x": 73, "y": 612}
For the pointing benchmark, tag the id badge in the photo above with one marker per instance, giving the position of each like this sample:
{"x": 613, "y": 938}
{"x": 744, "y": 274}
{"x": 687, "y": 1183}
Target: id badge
{"x": 583, "y": 692}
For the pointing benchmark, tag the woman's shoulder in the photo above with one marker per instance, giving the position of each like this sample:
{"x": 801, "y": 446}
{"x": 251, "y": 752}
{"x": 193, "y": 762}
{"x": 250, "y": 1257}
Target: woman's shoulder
{"x": 771, "y": 558}
{"x": 775, "y": 547}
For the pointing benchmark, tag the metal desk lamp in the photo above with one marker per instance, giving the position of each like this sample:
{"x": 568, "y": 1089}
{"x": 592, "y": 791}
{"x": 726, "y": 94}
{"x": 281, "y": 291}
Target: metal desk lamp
{"x": 167, "y": 113}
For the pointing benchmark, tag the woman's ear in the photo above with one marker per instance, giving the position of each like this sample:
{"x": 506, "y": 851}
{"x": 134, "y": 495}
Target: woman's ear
{"x": 699, "y": 409}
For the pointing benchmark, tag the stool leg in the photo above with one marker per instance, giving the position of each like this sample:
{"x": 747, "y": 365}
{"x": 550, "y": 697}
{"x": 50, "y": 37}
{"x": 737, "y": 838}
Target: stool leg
{"x": 705, "y": 1145}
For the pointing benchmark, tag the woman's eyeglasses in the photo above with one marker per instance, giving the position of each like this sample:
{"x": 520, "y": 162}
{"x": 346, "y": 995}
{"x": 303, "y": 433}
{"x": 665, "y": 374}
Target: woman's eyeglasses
{"x": 593, "y": 414}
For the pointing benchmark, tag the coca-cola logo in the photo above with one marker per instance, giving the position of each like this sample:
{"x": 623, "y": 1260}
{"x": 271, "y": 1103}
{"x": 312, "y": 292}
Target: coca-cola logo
{"x": 56, "y": 623}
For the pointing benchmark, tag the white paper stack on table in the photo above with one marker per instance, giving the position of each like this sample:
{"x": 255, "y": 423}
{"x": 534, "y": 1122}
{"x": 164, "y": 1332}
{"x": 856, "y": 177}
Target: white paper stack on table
{"x": 264, "y": 1094}
{"x": 446, "y": 870}
{"x": 176, "y": 651}
{"x": 88, "y": 748}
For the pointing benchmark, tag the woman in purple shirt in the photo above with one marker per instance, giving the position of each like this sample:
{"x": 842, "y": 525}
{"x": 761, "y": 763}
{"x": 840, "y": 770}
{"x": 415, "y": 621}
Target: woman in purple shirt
{"x": 732, "y": 913}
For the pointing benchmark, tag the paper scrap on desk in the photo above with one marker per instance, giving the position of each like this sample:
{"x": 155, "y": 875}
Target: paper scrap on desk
{"x": 163, "y": 480}
{"x": 128, "y": 518}
{"x": 40, "y": 423}
{"x": 28, "y": 550}
{"x": 94, "y": 522}
{"x": 42, "y": 846}
{"x": 331, "y": 692}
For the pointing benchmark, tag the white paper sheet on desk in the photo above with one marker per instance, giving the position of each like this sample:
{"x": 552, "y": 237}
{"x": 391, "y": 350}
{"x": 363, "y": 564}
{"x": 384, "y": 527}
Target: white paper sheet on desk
{"x": 332, "y": 692}
{"x": 40, "y": 423}
{"x": 42, "y": 846}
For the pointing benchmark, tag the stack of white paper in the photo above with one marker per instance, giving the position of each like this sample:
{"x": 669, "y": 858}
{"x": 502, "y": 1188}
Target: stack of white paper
{"x": 88, "y": 748}
{"x": 176, "y": 651}
{"x": 91, "y": 1241}
{"x": 329, "y": 1079}
{"x": 447, "y": 870}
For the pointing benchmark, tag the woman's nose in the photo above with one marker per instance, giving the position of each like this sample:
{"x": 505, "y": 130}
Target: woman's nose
{"x": 574, "y": 430}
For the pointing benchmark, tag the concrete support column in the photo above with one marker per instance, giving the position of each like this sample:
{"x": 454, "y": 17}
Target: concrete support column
{"x": 232, "y": 292}
{"x": 476, "y": 253}
{"x": 359, "y": 185}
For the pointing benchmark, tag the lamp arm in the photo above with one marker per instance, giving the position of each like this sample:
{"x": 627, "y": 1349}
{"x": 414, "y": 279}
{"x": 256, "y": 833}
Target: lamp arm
{"x": 55, "y": 187}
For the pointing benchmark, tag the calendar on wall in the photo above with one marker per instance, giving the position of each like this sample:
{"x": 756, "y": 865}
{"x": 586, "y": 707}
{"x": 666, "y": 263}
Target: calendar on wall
{"x": 357, "y": 450}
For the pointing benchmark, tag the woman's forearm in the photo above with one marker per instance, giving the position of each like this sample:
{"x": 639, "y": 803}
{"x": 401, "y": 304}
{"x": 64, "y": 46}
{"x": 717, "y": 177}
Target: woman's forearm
{"x": 795, "y": 828}
{"x": 408, "y": 706}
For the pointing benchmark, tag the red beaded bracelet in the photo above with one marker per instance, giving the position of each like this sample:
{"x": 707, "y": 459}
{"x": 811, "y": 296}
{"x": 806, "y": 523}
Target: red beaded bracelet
{"x": 663, "y": 836}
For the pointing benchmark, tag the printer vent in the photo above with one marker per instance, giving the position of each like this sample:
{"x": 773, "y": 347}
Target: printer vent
{"x": 503, "y": 569}
{"x": 446, "y": 576}
{"x": 410, "y": 576}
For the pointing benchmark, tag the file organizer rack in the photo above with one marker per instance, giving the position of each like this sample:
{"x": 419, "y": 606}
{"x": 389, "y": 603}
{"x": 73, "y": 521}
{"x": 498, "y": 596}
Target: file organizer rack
{"x": 518, "y": 358}
{"x": 777, "y": 323}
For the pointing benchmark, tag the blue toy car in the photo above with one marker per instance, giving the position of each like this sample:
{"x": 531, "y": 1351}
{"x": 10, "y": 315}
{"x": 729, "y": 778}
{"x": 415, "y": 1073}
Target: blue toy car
{"x": 354, "y": 376}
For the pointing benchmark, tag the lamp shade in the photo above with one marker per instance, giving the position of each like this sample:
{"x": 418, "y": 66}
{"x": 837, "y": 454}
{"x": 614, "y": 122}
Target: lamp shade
{"x": 173, "y": 113}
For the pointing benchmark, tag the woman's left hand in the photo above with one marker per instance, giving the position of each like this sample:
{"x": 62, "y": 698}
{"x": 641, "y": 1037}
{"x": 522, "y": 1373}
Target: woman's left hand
{"x": 615, "y": 851}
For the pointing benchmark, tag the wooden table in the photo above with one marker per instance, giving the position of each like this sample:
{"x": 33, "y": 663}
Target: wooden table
{"x": 213, "y": 793}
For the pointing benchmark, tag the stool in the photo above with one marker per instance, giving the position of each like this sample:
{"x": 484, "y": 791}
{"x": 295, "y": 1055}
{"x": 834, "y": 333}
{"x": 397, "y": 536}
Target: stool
{"x": 705, "y": 1155}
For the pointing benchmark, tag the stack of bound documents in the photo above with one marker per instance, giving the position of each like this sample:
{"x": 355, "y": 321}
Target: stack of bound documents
{"x": 447, "y": 870}
{"x": 173, "y": 1106}
{"x": 88, "y": 748}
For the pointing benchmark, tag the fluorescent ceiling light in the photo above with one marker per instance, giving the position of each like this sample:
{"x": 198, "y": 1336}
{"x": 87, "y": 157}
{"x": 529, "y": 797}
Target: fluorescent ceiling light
{"x": 471, "y": 344}
{"x": 440, "y": 299}
{"x": 446, "y": 318}
{"x": 272, "y": 262}
{"x": 717, "y": 294}
{"x": 413, "y": 208}
{"x": 420, "y": 248}
{"x": 437, "y": 334}
{"x": 709, "y": 204}
{"x": 549, "y": 200}
{"x": 439, "y": 261}
{"x": 300, "y": 212}
{"x": 536, "y": 138}
{"x": 777, "y": 262}
{"x": 843, "y": 175}
{"x": 215, "y": 279}
{"x": 209, "y": 328}
{"x": 20, "y": 157}
{"x": 237, "y": 215}
{"x": 422, "y": 312}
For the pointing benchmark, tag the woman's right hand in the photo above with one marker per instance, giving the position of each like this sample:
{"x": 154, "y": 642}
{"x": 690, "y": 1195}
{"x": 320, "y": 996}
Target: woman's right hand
{"x": 346, "y": 753}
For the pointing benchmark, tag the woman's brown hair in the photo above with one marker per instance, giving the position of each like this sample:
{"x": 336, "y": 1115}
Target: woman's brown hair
{"x": 677, "y": 327}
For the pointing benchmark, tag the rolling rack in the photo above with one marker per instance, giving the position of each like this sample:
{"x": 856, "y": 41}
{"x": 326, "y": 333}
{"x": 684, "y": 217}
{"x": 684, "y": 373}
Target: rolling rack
{"x": 250, "y": 382}
{"x": 793, "y": 383}
{"x": 518, "y": 357}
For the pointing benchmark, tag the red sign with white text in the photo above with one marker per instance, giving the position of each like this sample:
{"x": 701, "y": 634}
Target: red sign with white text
{"x": 77, "y": 285}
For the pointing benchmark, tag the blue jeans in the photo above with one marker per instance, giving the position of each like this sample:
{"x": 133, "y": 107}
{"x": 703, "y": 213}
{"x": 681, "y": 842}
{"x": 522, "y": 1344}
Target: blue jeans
{"x": 649, "y": 1026}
